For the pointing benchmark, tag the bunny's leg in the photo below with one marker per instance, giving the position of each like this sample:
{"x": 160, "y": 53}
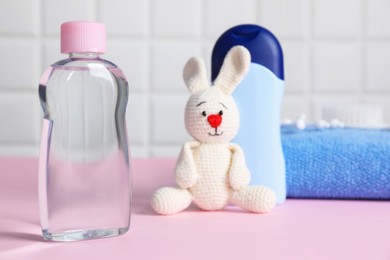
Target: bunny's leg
{"x": 170, "y": 200}
{"x": 258, "y": 199}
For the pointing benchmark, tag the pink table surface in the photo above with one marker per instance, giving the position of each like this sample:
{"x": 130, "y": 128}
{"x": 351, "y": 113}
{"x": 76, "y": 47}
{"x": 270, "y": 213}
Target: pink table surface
{"x": 298, "y": 229}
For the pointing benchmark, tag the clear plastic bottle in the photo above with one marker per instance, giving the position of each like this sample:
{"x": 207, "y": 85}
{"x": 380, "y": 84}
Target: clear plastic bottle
{"x": 84, "y": 169}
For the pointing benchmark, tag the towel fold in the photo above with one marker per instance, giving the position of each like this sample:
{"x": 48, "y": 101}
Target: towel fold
{"x": 343, "y": 163}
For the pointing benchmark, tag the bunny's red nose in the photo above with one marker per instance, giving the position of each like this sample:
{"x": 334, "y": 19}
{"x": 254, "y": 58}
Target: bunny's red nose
{"x": 214, "y": 120}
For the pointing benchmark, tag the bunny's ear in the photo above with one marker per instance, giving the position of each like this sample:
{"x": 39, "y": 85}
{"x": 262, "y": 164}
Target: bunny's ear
{"x": 194, "y": 75}
{"x": 234, "y": 67}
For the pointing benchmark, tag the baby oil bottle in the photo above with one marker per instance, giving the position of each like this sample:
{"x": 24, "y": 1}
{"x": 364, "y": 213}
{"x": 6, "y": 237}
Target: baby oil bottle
{"x": 84, "y": 167}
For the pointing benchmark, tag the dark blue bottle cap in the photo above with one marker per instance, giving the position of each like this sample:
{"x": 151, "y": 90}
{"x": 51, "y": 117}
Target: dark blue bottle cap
{"x": 263, "y": 46}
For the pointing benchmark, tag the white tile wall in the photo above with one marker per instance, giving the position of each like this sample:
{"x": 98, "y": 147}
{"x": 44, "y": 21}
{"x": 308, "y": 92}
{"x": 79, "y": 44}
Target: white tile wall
{"x": 378, "y": 18}
{"x": 168, "y": 119}
{"x": 137, "y": 119}
{"x": 296, "y": 64}
{"x": 170, "y": 19}
{"x": 293, "y": 106}
{"x": 168, "y": 59}
{"x": 334, "y": 18}
{"x": 20, "y": 115}
{"x": 378, "y": 66}
{"x": 287, "y": 18}
{"x": 19, "y": 17}
{"x": 336, "y": 51}
{"x": 51, "y": 52}
{"x": 220, "y": 15}
{"x": 18, "y": 63}
{"x": 125, "y": 18}
{"x": 55, "y": 12}
{"x": 337, "y": 67}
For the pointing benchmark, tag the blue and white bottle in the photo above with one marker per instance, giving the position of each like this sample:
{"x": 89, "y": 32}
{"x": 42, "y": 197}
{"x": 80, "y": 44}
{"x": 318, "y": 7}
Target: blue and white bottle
{"x": 259, "y": 99}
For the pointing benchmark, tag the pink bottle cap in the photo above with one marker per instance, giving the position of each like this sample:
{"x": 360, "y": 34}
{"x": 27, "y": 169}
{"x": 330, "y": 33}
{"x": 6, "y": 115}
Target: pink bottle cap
{"x": 83, "y": 37}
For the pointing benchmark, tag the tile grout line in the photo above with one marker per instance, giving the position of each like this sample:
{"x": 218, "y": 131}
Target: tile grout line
{"x": 310, "y": 43}
{"x": 40, "y": 70}
{"x": 150, "y": 83}
{"x": 363, "y": 50}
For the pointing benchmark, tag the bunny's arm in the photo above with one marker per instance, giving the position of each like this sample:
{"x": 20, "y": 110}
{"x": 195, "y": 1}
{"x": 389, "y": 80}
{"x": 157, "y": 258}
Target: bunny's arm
{"x": 239, "y": 175}
{"x": 185, "y": 171}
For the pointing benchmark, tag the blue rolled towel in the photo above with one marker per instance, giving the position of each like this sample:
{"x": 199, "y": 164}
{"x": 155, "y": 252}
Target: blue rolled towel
{"x": 342, "y": 163}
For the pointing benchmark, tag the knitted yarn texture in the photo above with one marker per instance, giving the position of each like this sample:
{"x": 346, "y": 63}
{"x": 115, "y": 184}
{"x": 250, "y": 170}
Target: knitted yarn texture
{"x": 211, "y": 171}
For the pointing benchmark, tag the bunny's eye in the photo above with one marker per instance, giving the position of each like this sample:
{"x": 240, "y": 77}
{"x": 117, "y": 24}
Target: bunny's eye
{"x": 204, "y": 113}
{"x": 221, "y": 113}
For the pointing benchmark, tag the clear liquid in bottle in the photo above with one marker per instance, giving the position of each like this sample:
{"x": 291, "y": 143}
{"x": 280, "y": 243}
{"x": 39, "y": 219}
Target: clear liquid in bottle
{"x": 84, "y": 171}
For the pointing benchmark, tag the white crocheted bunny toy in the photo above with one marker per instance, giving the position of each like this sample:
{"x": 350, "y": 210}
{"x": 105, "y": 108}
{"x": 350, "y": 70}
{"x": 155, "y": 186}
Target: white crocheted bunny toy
{"x": 210, "y": 170}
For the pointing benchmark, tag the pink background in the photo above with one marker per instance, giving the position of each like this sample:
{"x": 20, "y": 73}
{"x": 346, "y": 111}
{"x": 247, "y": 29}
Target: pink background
{"x": 298, "y": 229}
